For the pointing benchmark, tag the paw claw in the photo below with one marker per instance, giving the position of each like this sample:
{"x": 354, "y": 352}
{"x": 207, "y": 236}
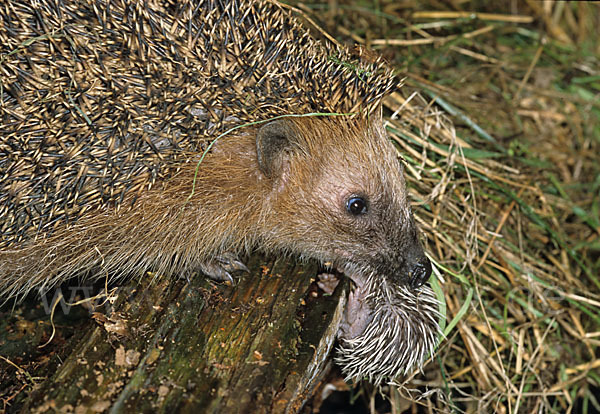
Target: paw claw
{"x": 221, "y": 267}
{"x": 231, "y": 263}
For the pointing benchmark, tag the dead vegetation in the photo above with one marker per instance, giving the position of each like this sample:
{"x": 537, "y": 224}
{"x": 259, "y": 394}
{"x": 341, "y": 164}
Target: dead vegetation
{"x": 501, "y": 147}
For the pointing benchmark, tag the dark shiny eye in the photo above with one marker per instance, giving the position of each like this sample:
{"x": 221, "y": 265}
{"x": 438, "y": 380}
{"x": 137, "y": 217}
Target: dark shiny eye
{"x": 356, "y": 206}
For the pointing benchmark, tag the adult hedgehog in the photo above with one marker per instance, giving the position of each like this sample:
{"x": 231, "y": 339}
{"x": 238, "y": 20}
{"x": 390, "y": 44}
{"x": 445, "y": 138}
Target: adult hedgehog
{"x": 107, "y": 108}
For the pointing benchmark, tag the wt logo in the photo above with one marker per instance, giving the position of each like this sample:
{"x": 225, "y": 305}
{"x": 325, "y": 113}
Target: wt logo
{"x": 84, "y": 293}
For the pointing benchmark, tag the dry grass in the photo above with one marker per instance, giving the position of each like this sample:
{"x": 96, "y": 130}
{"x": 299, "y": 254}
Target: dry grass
{"x": 508, "y": 197}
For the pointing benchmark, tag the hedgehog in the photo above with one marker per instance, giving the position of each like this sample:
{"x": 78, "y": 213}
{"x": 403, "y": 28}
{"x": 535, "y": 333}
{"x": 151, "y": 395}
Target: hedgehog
{"x": 175, "y": 136}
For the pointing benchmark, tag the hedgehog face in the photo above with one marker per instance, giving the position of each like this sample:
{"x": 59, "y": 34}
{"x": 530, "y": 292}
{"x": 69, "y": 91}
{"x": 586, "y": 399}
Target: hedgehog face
{"x": 341, "y": 190}
{"x": 374, "y": 227}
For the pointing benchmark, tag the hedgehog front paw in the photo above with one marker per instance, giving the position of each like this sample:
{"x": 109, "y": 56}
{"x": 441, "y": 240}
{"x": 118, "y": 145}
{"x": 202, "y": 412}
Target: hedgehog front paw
{"x": 327, "y": 282}
{"x": 221, "y": 267}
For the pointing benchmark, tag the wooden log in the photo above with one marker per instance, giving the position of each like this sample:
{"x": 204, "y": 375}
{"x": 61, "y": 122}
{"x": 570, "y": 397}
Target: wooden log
{"x": 174, "y": 346}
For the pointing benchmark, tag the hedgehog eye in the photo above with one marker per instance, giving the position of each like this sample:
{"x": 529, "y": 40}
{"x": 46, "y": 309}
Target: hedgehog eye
{"x": 356, "y": 206}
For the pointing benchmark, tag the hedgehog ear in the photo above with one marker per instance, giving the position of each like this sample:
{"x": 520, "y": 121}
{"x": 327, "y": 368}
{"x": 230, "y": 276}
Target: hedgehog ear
{"x": 273, "y": 142}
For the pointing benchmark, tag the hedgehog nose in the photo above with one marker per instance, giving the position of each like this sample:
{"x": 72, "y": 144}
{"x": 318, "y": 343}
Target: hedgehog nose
{"x": 420, "y": 272}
